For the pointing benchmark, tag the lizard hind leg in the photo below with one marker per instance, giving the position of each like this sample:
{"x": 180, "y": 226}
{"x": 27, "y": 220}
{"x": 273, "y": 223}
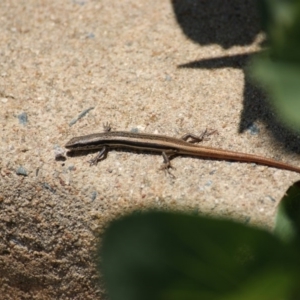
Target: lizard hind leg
{"x": 204, "y": 136}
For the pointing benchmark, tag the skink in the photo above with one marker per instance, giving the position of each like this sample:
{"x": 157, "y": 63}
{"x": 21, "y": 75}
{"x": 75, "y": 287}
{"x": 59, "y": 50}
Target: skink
{"x": 167, "y": 146}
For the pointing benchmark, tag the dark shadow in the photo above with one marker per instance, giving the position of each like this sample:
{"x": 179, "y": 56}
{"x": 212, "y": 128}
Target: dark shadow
{"x": 255, "y": 106}
{"x": 226, "y": 23}
{"x": 230, "y": 24}
{"x": 236, "y": 61}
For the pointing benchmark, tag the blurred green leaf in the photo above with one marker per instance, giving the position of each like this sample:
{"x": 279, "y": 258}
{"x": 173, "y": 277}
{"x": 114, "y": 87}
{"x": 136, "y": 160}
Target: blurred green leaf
{"x": 277, "y": 70}
{"x": 282, "y": 82}
{"x": 287, "y": 224}
{"x": 281, "y": 21}
{"x": 175, "y": 256}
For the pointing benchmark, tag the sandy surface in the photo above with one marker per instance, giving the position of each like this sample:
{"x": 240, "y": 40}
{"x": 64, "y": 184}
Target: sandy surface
{"x": 165, "y": 67}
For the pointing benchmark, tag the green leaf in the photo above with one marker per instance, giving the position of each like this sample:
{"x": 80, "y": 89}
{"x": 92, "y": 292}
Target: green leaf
{"x": 282, "y": 81}
{"x": 287, "y": 224}
{"x": 170, "y": 256}
{"x": 281, "y": 21}
{"x": 278, "y": 69}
